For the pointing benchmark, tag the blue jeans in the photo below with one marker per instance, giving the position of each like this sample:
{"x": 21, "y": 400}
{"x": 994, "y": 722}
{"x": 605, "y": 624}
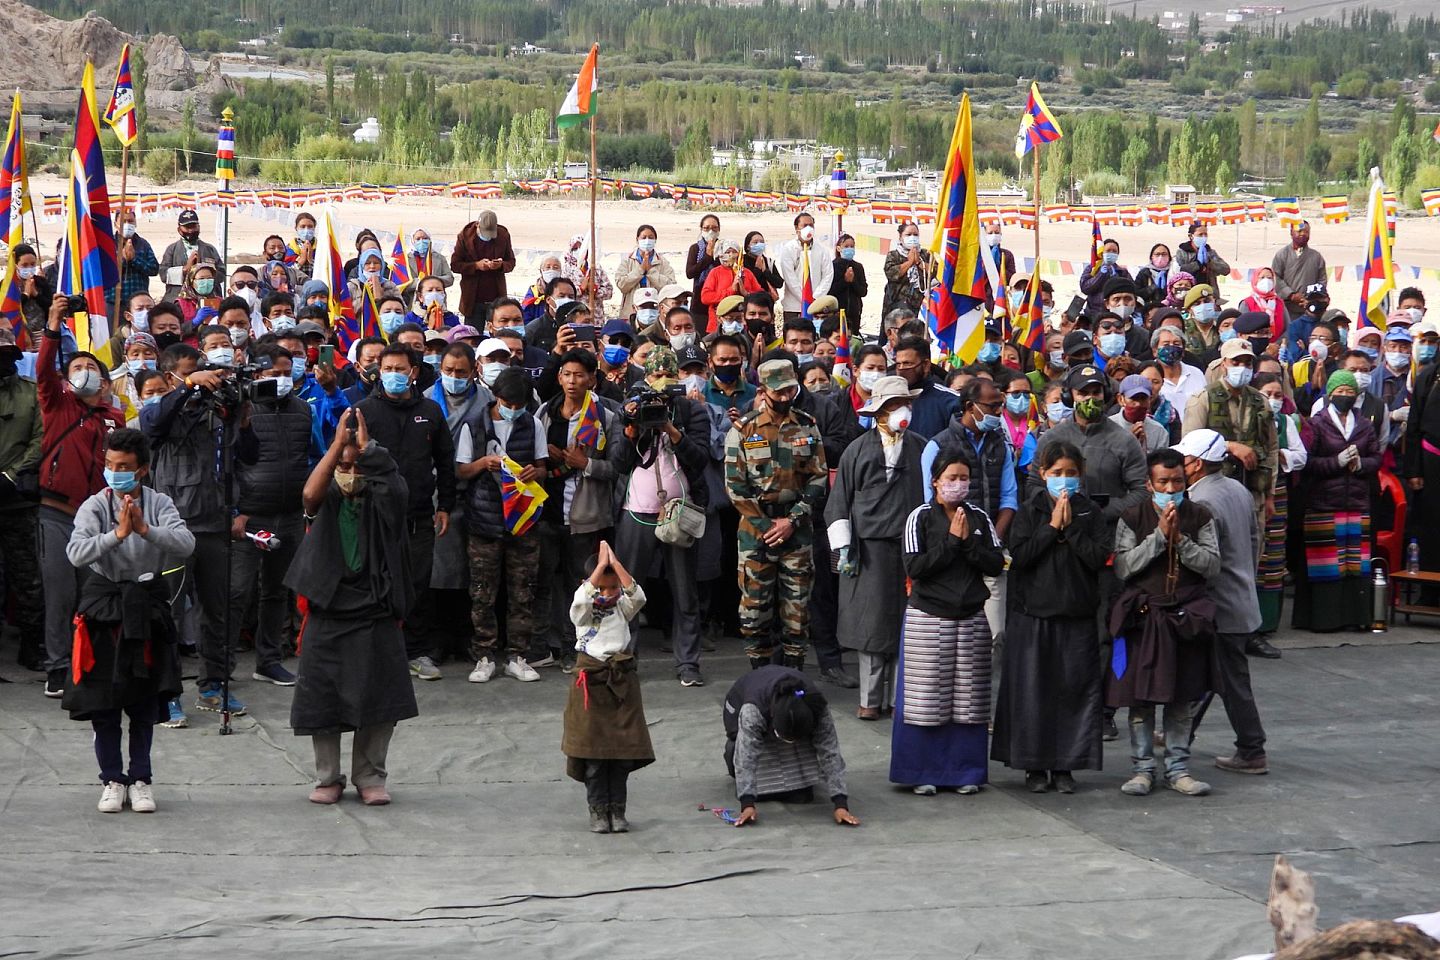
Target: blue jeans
{"x": 1177, "y": 739}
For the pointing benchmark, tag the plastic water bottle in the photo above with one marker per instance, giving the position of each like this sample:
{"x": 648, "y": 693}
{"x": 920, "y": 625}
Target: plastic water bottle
{"x": 1412, "y": 556}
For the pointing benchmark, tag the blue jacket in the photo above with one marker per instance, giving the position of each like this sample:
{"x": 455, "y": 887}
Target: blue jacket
{"x": 932, "y": 410}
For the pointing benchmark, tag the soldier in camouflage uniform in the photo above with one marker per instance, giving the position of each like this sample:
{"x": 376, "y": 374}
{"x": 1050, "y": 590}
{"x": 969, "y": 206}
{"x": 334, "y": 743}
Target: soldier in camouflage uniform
{"x": 775, "y": 473}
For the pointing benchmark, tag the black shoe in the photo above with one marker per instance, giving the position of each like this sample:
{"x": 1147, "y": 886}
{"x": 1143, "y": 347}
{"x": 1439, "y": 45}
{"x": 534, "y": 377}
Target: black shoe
{"x": 1064, "y": 783}
{"x": 757, "y": 662}
{"x": 1112, "y": 732}
{"x": 839, "y": 677}
{"x": 1258, "y": 646}
{"x": 600, "y": 819}
{"x": 55, "y": 683}
{"x": 618, "y": 823}
{"x": 1037, "y": 781}
{"x": 794, "y": 663}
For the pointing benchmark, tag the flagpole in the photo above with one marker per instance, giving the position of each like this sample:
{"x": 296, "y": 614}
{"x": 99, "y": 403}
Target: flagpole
{"x": 1036, "y": 151}
{"x": 594, "y": 186}
{"x": 120, "y": 256}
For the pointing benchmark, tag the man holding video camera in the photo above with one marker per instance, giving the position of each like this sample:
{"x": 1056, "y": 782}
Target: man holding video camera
{"x": 666, "y": 448}
{"x": 186, "y": 430}
{"x": 272, "y": 459}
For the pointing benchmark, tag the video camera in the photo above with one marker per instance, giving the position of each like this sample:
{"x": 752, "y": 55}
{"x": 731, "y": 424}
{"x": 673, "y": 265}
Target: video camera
{"x": 648, "y": 410}
{"x": 241, "y": 387}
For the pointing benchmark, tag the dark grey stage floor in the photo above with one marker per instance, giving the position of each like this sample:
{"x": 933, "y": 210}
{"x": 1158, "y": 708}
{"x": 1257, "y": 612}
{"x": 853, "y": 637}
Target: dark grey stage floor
{"x": 485, "y": 845}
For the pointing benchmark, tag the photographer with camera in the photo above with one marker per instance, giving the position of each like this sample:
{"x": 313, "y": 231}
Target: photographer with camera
{"x": 663, "y": 458}
{"x": 412, "y": 428}
{"x": 186, "y": 430}
{"x": 276, "y": 444}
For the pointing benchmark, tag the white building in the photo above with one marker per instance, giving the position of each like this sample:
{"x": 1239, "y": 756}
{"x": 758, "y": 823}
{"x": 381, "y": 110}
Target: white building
{"x": 368, "y": 132}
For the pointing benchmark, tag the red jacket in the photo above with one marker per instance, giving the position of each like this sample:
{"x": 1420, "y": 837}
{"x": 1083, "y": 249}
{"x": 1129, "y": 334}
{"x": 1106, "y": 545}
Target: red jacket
{"x": 719, "y": 284}
{"x": 72, "y": 443}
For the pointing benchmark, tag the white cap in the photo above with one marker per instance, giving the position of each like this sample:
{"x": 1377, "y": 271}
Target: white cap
{"x": 492, "y": 346}
{"x": 1203, "y": 444}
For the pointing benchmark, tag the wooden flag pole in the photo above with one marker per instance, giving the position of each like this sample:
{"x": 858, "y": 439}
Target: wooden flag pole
{"x": 594, "y": 187}
{"x": 120, "y": 242}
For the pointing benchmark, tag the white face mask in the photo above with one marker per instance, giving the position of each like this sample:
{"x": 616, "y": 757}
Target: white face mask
{"x": 26, "y": 273}
{"x": 1362, "y": 380}
{"x": 86, "y": 382}
{"x": 807, "y": 233}
{"x": 1265, "y": 286}
{"x": 868, "y": 378}
{"x": 911, "y": 242}
{"x": 1397, "y": 361}
{"x": 898, "y": 420}
{"x": 238, "y": 335}
{"x": 1276, "y": 404}
{"x": 433, "y": 297}
{"x": 282, "y": 323}
{"x": 992, "y": 240}
{"x": 140, "y": 320}
{"x": 682, "y": 340}
{"x": 128, "y": 230}
{"x": 221, "y": 356}
{"x": 283, "y": 385}
{"x": 694, "y": 383}
{"x": 248, "y": 295}
{"x": 489, "y": 371}
{"x": 548, "y": 275}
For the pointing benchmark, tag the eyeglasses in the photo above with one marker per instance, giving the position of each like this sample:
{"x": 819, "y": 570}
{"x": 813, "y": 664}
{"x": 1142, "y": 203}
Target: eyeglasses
{"x": 246, "y": 284}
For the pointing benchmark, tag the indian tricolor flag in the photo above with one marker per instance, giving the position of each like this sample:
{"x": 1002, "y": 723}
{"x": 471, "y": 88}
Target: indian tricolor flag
{"x": 579, "y": 103}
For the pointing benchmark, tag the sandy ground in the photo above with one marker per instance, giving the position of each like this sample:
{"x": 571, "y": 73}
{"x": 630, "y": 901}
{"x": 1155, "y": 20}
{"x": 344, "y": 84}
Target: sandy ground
{"x": 541, "y": 226}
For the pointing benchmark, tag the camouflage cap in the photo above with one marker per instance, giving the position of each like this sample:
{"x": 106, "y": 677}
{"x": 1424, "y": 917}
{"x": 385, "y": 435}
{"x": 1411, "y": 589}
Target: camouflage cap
{"x": 7, "y": 338}
{"x": 778, "y": 375}
{"x": 661, "y": 361}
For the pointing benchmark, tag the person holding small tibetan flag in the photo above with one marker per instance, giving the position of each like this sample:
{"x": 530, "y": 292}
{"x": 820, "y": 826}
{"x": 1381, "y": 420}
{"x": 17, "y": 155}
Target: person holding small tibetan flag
{"x": 503, "y": 455}
{"x": 125, "y": 658}
{"x": 352, "y": 572}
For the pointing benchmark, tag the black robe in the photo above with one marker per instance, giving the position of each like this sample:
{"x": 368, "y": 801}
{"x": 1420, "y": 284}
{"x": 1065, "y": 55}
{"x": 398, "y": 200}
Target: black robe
{"x": 353, "y": 668}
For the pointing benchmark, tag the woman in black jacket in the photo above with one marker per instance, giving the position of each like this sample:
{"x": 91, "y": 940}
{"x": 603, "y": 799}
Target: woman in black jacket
{"x": 764, "y": 268}
{"x": 849, "y": 286}
{"x": 1048, "y": 718}
{"x": 942, "y": 683}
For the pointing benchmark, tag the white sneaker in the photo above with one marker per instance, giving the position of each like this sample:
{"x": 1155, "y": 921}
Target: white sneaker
{"x": 520, "y": 670}
{"x": 484, "y": 670}
{"x": 112, "y": 798}
{"x": 142, "y": 798}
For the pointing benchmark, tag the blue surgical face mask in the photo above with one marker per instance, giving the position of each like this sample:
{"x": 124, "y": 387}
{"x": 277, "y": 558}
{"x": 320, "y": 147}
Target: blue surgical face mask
{"x": 616, "y": 356}
{"x": 1205, "y": 313}
{"x": 150, "y": 401}
{"x": 1058, "y": 485}
{"x": 1017, "y": 403}
{"x": 433, "y": 359}
{"x": 757, "y": 249}
{"x": 297, "y": 368}
{"x": 422, "y": 247}
{"x": 847, "y": 253}
{"x": 490, "y": 371}
{"x": 989, "y": 352}
{"x": 646, "y": 244}
{"x": 305, "y": 234}
{"x": 1163, "y": 500}
{"x": 991, "y": 421}
{"x": 121, "y": 481}
{"x": 455, "y": 386}
{"x": 510, "y": 413}
{"x": 1112, "y": 344}
{"x": 732, "y": 327}
{"x": 1370, "y": 352}
{"x": 135, "y": 366}
{"x": 394, "y": 382}
{"x": 1228, "y": 334}
{"x": 1425, "y": 352}
{"x": 390, "y": 322}
{"x": 647, "y": 315}
{"x": 803, "y": 358}
{"x": 1058, "y": 412}
{"x": 1110, "y": 258}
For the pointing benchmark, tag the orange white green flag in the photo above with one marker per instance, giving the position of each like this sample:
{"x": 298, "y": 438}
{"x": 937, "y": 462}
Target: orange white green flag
{"x": 579, "y": 103}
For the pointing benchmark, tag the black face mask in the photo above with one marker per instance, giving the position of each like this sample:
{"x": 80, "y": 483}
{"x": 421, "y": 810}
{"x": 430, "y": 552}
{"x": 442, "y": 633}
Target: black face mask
{"x": 1343, "y": 404}
{"x": 370, "y": 373}
{"x": 1317, "y": 307}
{"x": 781, "y": 407}
{"x": 757, "y": 327}
{"x": 1258, "y": 344}
{"x": 8, "y": 366}
{"x": 190, "y": 236}
{"x": 167, "y": 339}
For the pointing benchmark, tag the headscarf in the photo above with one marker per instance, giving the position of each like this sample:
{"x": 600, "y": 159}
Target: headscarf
{"x": 1170, "y": 289}
{"x": 265, "y": 286}
{"x": 1270, "y": 305}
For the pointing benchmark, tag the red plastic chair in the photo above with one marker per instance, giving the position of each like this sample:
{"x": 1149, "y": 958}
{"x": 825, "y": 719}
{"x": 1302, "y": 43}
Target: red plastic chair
{"x": 1391, "y": 543}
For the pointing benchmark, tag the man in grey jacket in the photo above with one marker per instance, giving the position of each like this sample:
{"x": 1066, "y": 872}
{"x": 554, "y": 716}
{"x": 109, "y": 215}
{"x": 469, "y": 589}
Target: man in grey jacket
{"x": 186, "y": 253}
{"x": 1237, "y": 609}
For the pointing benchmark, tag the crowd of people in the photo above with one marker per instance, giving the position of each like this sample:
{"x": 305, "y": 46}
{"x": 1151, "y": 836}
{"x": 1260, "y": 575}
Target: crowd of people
{"x": 1013, "y": 548}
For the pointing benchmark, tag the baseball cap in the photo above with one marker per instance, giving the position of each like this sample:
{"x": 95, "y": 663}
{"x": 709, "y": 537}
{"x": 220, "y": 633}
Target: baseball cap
{"x": 488, "y": 347}
{"x": 463, "y": 332}
{"x": 308, "y": 328}
{"x": 617, "y": 328}
{"x": 1135, "y": 385}
{"x": 692, "y": 355}
{"x": 1076, "y": 341}
{"x": 436, "y": 336}
{"x": 1078, "y": 378}
{"x": 1238, "y": 347}
{"x": 674, "y": 291}
{"x": 486, "y": 220}
{"x": 189, "y": 218}
{"x": 1398, "y": 318}
{"x": 778, "y": 375}
{"x": 1202, "y": 444}
{"x": 647, "y": 297}
{"x": 1399, "y": 335}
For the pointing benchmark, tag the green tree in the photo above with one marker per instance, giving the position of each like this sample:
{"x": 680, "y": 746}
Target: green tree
{"x": 1134, "y": 161}
{"x": 187, "y": 129}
